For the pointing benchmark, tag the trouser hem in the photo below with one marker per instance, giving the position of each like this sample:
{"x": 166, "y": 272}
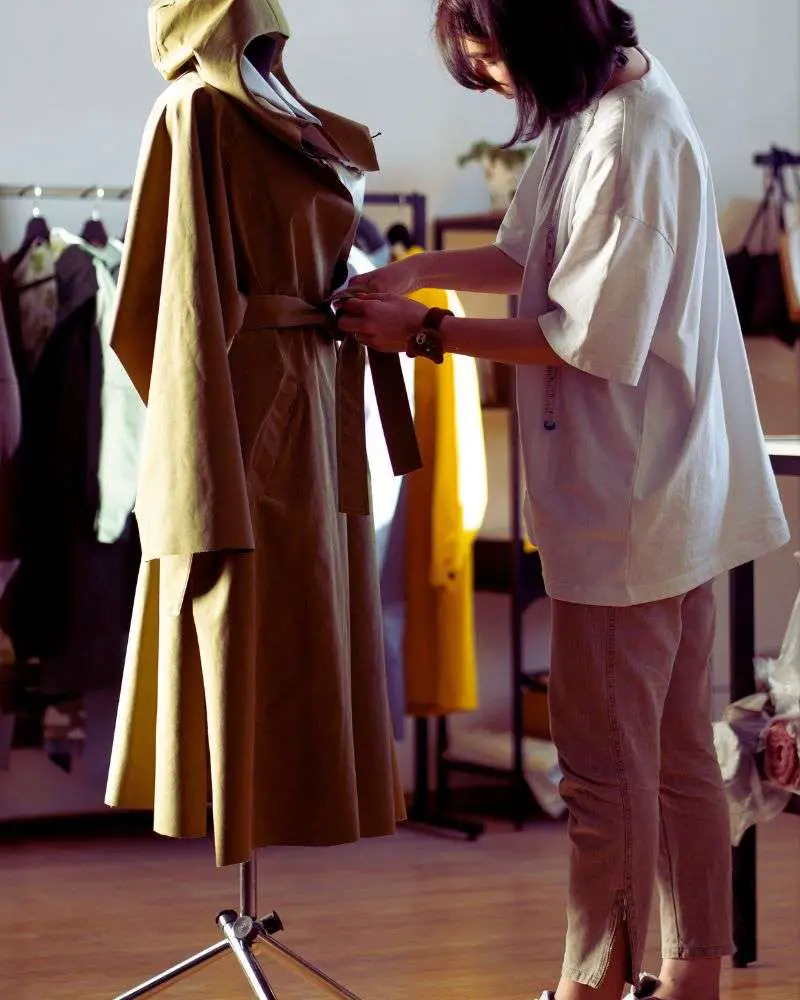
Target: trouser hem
{"x": 575, "y": 974}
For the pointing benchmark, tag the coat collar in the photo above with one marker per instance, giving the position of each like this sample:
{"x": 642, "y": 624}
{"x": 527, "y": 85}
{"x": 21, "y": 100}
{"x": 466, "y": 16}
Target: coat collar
{"x": 211, "y": 36}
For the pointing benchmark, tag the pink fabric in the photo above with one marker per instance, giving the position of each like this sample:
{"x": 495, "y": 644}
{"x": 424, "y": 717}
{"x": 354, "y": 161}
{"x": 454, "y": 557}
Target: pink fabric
{"x": 782, "y": 754}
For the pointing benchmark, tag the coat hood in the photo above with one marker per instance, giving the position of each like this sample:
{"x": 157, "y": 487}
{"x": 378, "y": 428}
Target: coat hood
{"x": 210, "y": 37}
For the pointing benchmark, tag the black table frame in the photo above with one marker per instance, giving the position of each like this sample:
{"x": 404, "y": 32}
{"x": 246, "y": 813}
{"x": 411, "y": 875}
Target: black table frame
{"x": 743, "y": 683}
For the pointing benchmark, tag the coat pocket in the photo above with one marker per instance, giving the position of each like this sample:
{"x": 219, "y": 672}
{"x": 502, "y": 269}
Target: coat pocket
{"x": 173, "y": 583}
{"x": 272, "y": 438}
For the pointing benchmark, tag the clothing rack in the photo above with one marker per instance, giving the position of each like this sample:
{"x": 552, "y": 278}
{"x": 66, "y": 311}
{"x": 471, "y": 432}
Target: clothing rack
{"x": 423, "y": 812}
{"x": 420, "y": 813}
{"x": 504, "y": 567}
{"x": 416, "y": 202}
{"x": 501, "y": 566}
{"x": 38, "y": 192}
{"x": 61, "y": 796}
{"x": 37, "y": 791}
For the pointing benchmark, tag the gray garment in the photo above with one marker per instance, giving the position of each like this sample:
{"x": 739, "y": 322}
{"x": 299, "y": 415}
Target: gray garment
{"x": 388, "y": 494}
{"x": 630, "y": 712}
{"x": 390, "y": 539}
{"x": 10, "y": 433}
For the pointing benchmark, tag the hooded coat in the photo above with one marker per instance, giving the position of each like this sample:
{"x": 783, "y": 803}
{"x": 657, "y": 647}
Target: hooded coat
{"x": 256, "y": 656}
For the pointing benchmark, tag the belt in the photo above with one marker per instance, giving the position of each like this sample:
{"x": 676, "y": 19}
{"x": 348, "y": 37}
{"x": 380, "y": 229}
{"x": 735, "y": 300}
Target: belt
{"x": 285, "y": 312}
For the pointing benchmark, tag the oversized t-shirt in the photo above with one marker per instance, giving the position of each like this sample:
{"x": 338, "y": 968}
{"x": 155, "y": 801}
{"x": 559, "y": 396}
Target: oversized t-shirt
{"x": 647, "y": 473}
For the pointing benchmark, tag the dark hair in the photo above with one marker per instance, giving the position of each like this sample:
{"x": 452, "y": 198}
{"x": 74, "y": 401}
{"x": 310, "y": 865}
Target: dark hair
{"x": 560, "y": 53}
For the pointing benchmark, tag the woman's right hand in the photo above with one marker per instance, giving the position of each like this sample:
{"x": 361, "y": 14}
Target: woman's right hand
{"x": 400, "y": 278}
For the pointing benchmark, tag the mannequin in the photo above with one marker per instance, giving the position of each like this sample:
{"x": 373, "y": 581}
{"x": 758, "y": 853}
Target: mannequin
{"x": 256, "y": 650}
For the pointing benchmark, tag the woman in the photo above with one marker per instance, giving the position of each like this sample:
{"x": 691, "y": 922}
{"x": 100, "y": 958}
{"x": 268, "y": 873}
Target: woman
{"x": 645, "y": 463}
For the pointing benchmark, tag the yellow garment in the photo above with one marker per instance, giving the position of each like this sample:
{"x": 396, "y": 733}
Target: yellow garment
{"x": 446, "y": 505}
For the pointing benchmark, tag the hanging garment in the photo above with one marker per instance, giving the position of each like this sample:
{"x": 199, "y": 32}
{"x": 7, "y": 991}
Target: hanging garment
{"x": 9, "y": 303}
{"x": 446, "y": 504}
{"x": 256, "y": 648}
{"x": 34, "y": 276}
{"x": 10, "y": 536}
{"x": 121, "y": 408}
{"x": 75, "y": 594}
{"x": 10, "y": 541}
{"x": 12, "y": 384}
{"x": 388, "y": 514}
{"x": 10, "y": 431}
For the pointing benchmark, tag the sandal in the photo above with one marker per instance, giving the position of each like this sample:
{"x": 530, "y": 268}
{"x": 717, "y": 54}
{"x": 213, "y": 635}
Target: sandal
{"x": 646, "y": 990}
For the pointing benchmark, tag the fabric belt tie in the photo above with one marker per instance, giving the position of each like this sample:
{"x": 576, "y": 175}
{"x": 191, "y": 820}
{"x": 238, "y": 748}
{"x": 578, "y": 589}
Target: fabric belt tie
{"x": 285, "y": 312}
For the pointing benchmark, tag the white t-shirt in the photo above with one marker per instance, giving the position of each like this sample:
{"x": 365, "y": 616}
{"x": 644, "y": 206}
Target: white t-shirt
{"x": 645, "y": 462}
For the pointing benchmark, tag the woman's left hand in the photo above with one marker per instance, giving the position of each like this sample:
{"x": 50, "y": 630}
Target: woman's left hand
{"x": 383, "y": 322}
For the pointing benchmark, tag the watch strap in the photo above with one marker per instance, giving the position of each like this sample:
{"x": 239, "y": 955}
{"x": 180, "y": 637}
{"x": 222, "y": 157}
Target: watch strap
{"x": 427, "y": 341}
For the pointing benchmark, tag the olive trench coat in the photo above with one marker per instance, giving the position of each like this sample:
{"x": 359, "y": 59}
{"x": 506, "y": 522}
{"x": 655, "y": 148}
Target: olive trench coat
{"x": 256, "y": 651}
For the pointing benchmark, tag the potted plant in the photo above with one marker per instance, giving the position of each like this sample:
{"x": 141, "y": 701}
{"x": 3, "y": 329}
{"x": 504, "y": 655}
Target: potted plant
{"x": 503, "y": 167}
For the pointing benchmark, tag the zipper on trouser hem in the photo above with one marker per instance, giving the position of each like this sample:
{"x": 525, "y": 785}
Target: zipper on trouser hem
{"x": 620, "y": 916}
{"x": 550, "y": 389}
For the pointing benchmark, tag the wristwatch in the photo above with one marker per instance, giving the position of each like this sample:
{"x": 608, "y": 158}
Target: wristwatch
{"x": 427, "y": 341}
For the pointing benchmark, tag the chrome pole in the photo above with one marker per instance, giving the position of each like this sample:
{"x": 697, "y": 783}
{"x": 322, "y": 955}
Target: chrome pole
{"x": 240, "y": 933}
{"x": 303, "y": 967}
{"x": 248, "y": 888}
{"x": 177, "y": 972}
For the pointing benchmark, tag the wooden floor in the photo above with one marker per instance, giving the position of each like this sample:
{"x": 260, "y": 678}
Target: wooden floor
{"x": 86, "y": 917}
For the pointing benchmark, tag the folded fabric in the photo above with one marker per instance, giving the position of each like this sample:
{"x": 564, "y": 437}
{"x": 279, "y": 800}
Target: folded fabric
{"x": 782, "y": 753}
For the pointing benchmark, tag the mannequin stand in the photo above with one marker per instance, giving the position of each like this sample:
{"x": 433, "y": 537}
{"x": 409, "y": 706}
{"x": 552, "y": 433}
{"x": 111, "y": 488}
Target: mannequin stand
{"x": 241, "y": 932}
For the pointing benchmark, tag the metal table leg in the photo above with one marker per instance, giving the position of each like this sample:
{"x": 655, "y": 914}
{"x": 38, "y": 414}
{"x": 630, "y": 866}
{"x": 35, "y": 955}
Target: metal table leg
{"x": 743, "y": 643}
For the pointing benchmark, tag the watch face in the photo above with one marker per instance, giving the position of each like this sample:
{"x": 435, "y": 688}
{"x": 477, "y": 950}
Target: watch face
{"x": 425, "y": 343}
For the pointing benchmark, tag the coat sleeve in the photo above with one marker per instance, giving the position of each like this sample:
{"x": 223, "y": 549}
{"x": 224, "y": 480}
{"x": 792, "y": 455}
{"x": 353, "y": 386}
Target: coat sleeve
{"x": 178, "y": 311}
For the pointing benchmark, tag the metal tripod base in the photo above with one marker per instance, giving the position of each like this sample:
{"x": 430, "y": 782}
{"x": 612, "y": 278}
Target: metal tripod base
{"x": 242, "y": 932}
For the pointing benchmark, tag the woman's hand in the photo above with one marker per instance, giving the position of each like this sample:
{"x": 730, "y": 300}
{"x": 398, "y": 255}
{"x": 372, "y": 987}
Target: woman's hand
{"x": 383, "y": 322}
{"x": 399, "y": 278}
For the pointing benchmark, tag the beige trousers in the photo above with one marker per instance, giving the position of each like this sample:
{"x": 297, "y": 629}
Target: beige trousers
{"x": 630, "y": 704}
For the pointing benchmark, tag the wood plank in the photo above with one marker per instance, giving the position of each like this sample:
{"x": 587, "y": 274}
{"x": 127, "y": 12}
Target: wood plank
{"x": 86, "y": 916}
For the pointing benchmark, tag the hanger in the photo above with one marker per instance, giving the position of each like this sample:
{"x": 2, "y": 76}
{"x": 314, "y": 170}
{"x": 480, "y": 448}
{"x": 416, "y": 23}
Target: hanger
{"x": 37, "y": 230}
{"x": 124, "y": 195}
{"x": 400, "y": 234}
{"x": 94, "y": 231}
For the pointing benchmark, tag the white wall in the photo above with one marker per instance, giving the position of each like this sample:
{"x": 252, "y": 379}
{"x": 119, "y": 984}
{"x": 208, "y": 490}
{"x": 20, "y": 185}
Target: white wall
{"x": 83, "y": 83}
{"x": 77, "y": 84}
{"x": 737, "y": 63}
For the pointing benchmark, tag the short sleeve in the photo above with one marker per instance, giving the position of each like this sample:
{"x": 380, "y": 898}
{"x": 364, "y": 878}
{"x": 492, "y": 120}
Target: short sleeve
{"x": 516, "y": 229}
{"x": 607, "y": 293}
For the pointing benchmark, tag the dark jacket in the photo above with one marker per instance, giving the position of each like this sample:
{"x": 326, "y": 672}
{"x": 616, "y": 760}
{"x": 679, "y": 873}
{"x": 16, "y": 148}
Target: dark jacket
{"x": 75, "y": 594}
